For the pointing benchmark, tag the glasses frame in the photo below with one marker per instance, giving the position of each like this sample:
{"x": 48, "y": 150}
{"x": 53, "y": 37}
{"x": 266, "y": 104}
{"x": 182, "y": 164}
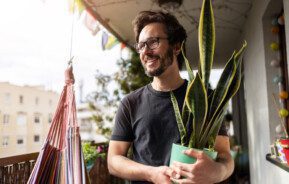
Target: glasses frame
{"x": 145, "y": 44}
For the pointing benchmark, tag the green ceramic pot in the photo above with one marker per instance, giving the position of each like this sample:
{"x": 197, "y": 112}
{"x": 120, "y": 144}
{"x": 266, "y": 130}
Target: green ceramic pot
{"x": 178, "y": 155}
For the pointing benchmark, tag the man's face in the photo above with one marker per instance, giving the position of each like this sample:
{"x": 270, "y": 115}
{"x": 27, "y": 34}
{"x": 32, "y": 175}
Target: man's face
{"x": 155, "y": 61}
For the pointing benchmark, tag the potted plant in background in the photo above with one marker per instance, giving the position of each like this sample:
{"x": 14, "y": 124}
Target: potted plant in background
{"x": 202, "y": 109}
{"x": 283, "y": 143}
{"x": 91, "y": 153}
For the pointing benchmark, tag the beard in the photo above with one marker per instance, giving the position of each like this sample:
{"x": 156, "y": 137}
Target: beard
{"x": 165, "y": 62}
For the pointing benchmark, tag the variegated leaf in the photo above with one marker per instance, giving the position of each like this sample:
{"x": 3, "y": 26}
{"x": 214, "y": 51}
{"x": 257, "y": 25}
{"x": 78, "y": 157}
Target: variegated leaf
{"x": 188, "y": 67}
{"x": 206, "y": 40}
{"x": 197, "y": 102}
{"x": 182, "y": 129}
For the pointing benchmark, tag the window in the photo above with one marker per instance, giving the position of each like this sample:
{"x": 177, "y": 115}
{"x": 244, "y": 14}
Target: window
{"x": 37, "y": 118}
{"x": 49, "y": 118}
{"x": 5, "y": 118}
{"x": 7, "y": 98}
{"x": 36, "y": 101}
{"x": 20, "y": 141}
{"x": 21, "y": 119}
{"x": 21, "y": 99}
{"x": 5, "y": 141}
{"x": 36, "y": 138}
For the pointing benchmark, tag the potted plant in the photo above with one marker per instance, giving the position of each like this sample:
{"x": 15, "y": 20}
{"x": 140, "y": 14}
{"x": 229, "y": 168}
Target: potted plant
{"x": 205, "y": 110}
{"x": 91, "y": 153}
{"x": 284, "y": 140}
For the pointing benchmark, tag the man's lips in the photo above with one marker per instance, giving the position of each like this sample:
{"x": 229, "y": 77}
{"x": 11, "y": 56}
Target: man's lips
{"x": 150, "y": 59}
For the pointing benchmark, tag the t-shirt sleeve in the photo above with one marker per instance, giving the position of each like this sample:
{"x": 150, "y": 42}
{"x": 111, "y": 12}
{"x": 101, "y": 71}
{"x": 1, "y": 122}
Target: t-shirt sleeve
{"x": 122, "y": 130}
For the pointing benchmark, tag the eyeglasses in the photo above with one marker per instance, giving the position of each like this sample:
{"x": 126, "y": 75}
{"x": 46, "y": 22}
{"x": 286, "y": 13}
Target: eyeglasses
{"x": 151, "y": 43}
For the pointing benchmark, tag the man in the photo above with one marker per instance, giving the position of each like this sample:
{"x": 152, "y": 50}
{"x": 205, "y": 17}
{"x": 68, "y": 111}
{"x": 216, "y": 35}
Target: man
{"x": 146, "y": 119}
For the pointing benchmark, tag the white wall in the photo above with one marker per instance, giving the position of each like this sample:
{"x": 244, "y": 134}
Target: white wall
{"x": 258, "y": 93}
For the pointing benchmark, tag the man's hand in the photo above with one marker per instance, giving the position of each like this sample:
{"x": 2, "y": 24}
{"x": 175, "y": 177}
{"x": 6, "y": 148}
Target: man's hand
{"x": 204, "y": 171}
{"x": 161, "y": 175}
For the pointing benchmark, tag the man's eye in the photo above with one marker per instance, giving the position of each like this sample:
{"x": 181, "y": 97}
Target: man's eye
{"x": 141, "y": 45}
{"x": 151, "y": 42}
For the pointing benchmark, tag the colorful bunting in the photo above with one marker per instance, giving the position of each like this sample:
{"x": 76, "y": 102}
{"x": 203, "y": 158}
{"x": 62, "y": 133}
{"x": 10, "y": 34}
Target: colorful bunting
{"x": 91, "y": 23}
{"x": 75, "y": 5}
{"x": 108, "y": 41}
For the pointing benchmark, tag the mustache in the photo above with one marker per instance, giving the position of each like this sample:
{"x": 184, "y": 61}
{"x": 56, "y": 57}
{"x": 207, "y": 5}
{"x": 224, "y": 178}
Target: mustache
{"x": 151, "y": 56}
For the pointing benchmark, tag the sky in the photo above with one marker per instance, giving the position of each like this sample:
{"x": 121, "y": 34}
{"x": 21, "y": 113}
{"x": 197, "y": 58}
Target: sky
{"x": 35, "y": 43}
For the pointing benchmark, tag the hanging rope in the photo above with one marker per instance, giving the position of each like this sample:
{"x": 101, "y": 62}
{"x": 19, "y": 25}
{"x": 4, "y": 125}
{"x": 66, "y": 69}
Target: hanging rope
{"x": 71, "y": 38}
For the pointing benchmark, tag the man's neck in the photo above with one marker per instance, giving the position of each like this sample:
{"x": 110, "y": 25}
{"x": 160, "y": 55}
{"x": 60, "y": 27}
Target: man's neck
{"x": 168, "y": 81}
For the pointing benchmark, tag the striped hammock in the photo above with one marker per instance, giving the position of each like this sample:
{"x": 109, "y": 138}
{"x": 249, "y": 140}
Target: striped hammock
{"x": 61, "y": 158}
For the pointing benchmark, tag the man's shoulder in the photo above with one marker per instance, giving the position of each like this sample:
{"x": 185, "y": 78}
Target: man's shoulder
{"x": 136, "y": 94}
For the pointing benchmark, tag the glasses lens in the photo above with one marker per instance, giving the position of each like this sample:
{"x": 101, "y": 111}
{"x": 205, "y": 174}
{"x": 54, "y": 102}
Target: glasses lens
{"x": 153, "y": 43}
{"x": 139, "y": 46}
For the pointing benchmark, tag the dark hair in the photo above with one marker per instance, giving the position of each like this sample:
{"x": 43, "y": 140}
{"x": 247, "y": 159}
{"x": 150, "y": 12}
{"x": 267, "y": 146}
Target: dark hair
{"x": 175, "y": 31}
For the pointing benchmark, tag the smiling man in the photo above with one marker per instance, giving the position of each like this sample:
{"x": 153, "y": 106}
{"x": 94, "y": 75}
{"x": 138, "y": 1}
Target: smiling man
{"x": 146, "y": 121}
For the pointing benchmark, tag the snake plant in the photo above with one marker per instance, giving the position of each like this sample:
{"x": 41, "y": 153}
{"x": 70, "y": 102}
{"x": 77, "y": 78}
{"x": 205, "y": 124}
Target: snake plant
{"x": 202, "y": 109}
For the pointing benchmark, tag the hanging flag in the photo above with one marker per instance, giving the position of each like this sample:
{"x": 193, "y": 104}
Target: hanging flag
{"x": 111, "y": 42}
{"x": 108, "y": 41}
{"x": 122, "y": 46}
{"x": 91, "y": 23}
{"x": 104, "y": 40}
{"x": 74, "y": 5}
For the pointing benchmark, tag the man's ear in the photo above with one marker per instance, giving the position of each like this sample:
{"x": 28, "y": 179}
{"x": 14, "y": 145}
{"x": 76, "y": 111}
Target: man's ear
{"x": 177, "y": 49}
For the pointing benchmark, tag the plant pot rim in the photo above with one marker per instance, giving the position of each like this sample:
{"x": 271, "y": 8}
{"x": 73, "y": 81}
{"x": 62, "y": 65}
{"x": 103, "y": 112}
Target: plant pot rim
{"x": 204, "y": 149}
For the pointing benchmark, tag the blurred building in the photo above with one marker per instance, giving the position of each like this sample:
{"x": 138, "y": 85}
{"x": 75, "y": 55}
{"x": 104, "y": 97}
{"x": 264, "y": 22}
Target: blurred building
{"x": 88, "y": 128}
{"x": 25, "y": 116}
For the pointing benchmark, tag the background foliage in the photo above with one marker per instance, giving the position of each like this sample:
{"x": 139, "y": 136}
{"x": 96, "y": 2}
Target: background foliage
{"x": 111, "y": 88}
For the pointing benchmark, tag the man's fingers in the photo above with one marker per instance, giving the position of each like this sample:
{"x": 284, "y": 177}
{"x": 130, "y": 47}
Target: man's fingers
{"x": 193, "y": 153}
{"x": 169, "y": 171}
{"x": 178, "y": 167}
{"x": 182, "y": 181}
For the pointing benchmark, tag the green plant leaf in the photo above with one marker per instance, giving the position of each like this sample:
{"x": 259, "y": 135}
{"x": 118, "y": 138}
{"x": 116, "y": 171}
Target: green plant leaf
{"x": 188, "y": 67}
{"x": 218, "y": 97}
{"x": 223, "y": 86}
{"x": 234, "y": 86}
{"x": 197, "y": 102}
{"x": 182, "y": 129}
{"x": 206, "y": 40}
{"x": 212, "y": 134}
{"x": 186, "y": 114}
{"x": 239, "y": 54}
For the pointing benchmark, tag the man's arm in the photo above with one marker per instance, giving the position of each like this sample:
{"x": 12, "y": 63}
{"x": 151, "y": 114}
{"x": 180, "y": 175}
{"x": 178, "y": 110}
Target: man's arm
{"x": 206, "y": 170}
{"x": 119, "y": 165}
{"x": 222, "y": 146}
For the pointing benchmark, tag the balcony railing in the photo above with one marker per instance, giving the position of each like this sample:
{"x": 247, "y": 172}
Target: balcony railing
{"x": 17, "y": 169}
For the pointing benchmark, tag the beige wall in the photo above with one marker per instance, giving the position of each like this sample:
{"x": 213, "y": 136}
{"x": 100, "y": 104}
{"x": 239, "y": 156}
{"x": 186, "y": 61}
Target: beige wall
{"x": 47, "y": 101}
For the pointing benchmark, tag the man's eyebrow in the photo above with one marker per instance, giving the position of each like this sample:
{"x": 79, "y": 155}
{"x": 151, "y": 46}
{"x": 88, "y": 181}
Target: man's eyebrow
{"x": 154, "y": 37}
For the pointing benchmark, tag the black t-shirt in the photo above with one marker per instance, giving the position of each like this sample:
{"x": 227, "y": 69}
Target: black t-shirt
{"x": 146, "y": 118}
